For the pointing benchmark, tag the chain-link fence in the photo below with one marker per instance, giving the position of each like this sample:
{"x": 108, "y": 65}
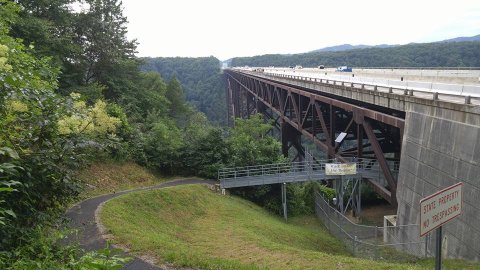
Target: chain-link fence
{"x": 374, "y": 242}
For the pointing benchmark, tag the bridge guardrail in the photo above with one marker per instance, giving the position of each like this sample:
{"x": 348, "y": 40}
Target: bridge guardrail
{"x": 466, "y": 93}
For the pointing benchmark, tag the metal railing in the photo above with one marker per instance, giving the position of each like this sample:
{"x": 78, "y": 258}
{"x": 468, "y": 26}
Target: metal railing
{"x": 299, "y": 171}
{"x": 466, "y": 93}
{"x": 373, "y": 242}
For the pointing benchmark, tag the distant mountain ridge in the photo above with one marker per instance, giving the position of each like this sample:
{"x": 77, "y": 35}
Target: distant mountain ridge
{"x": 460, "y": 39}
{"x": 347, "y": 47}
{"x": 337, "y": 54}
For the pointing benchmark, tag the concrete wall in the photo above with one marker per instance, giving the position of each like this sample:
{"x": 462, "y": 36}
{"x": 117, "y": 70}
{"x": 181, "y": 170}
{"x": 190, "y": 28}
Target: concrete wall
{"x": 441, "y": 147}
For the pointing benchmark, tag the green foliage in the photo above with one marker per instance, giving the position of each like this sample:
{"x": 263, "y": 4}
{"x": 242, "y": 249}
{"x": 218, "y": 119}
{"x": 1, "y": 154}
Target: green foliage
{"x": 452, "y": 54}
{"x": 43, "y": 250}
{"x": 89, "y": 120}
{"x": 150, "y": 96}
{"x": 7, "y": 169}
{"x": 249, "y": 144}
{"x": 51, "y": 136}
{"x": 48, "y": 25}
{"x": 106, "y": 56}
{"x": 201, "y": 80}
{"x": 103, "y": 259}
{"x": 178, "y": 108}
{"x": 205, "y": 150}
{"x": 326, "y": 192}
{"x": 163, "y": 145}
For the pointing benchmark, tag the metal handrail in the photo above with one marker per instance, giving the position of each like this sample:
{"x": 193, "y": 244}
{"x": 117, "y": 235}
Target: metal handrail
{"x": 295, "y": 167}
{"x": 406, "y": 91}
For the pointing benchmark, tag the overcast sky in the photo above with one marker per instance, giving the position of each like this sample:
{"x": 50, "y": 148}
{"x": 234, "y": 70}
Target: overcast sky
{"x": 225, "y": 29}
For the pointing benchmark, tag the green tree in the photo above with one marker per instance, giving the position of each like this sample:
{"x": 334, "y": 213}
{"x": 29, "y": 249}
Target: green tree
{"x": 148, "y": 96}
{"x": 163, "y": 146}
{"x": 107, "y": 55}
{"x": 249, "y": 144}
{"x": 175, "y": 96}
{"x": 205, "y": 150}
{"x": 49, "y": 26}
{"x": 201, "y": 80}
{"x": 47, "y": 131}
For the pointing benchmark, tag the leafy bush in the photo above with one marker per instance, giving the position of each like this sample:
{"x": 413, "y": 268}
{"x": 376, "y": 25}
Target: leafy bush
{"x": 7, "y": 169}
{"x": 42, "y": 249}
{"x": 327, "y": 193}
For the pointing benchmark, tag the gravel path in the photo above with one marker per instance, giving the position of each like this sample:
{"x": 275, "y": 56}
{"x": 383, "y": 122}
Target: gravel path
{"x": 82, "y": 216}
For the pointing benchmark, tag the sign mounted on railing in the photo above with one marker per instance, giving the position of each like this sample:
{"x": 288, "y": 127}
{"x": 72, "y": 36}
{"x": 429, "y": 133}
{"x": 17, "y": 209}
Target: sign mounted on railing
{"x": 340, "y": 168}
{"x": 440, "y": 207}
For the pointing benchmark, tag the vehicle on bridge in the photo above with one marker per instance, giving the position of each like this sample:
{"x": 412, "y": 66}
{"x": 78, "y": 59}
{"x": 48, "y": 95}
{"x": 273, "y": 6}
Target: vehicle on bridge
{"x": 321, "y": 67}
{"x": 344, "y": 69}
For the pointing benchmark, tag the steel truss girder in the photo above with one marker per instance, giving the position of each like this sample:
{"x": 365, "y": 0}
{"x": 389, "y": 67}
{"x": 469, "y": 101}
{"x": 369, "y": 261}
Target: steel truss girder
{"x": 320, "y": 119}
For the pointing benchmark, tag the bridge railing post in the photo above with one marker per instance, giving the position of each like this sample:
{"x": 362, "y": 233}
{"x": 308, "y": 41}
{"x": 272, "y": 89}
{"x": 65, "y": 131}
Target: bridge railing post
{"x": 468, "y": 99}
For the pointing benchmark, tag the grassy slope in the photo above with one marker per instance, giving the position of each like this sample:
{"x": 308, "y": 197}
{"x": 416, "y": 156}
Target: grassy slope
{"x": 108, "y": 177}
{"x": 191, "y": 226}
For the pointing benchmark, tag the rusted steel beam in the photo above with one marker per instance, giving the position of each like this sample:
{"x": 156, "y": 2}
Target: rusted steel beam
{"x": 306, "y": 115}
{"x": 379, "y": 189}
{"x": 381, "y": 160}
{"x": 360, "y": 141}
{"x": 331, "y": 151}
{"x": 322, "y": 123}
{"x": 314, "y": 119}
{"x": 296, "y": 110}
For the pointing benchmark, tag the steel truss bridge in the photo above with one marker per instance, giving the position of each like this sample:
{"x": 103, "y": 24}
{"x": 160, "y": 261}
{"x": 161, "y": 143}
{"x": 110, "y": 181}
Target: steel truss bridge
{"x": 372, "y": 132}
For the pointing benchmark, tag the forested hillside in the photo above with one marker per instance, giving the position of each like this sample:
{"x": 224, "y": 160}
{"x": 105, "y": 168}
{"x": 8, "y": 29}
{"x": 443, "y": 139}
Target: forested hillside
{"x": 447, "y": 54}
{"x": 201, "y": 80}
{"x": 72, "y": 93}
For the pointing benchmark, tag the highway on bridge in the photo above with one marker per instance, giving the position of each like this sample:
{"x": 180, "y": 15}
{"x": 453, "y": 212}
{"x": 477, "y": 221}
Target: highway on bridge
{"x": 454, "y": 84}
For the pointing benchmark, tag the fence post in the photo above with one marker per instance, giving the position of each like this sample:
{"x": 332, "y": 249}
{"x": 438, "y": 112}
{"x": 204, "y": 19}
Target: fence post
{"x": 376, "y": 241}
{"x": 426, "y": 245}
{"x": 354, "y": 245}
{"x": 384, "y": 230}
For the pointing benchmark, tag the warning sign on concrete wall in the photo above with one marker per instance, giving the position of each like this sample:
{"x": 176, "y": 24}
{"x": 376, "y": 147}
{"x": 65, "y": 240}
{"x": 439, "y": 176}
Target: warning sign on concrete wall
{"x": 440, "y": 207}
{"x": 340, "y": 168}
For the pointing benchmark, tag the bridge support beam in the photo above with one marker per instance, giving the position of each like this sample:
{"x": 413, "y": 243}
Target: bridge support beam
{"x": 382, "y": 161}
{"x": 351, "y": 187}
